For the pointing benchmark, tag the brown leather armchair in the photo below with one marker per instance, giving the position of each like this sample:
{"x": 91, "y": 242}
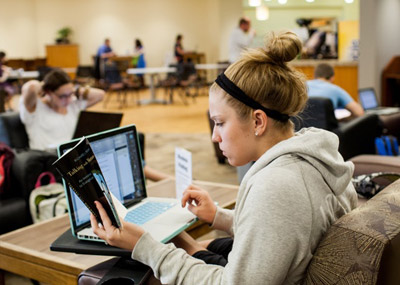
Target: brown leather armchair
{"x": 26, "y": 167}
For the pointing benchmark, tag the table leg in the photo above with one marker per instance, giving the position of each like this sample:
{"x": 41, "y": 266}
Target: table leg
{"x": 3, "y": 95}
{"x": 153, "y": 99}
{"x": 2, "y": 277}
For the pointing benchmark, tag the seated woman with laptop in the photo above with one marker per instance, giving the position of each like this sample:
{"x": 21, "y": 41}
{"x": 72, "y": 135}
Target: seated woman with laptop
{"x": 50, "y": 111}
{"x": 298, "y": 186}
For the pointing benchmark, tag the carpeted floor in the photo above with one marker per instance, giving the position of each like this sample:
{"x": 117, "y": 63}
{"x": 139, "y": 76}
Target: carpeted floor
{"x": 160, "y": 154}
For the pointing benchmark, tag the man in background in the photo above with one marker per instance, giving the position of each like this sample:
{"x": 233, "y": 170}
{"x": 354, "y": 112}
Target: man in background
{"x": 322, "y": 86}
{"x": 241, "y": 38}
{"x": 105, "y": 50}
{"x": 103, "y": 53}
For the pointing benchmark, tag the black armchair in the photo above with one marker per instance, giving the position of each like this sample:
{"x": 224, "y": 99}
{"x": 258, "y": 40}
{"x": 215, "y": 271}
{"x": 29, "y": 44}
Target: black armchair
{"x": 26, "y": 167}
{"x": 355, "y": 137}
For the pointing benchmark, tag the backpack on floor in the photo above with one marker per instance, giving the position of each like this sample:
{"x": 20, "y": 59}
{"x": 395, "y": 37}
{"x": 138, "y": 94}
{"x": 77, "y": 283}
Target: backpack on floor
{"x": 387, "y": 145}
{"x": 368, "y": 185}
{"x": 47, "y": 201}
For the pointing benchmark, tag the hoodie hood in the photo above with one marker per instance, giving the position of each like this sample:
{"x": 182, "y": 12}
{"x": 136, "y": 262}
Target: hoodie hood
{"x": 320, "y": 149}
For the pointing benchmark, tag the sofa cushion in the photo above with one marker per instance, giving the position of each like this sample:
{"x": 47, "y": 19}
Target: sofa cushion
{"x": 362, "y": 247}
{"x": 13, "y": 214}
{"x": 370, "y": 163}
{"x": 27, "y": 167}
{"x": 12, "y": 131}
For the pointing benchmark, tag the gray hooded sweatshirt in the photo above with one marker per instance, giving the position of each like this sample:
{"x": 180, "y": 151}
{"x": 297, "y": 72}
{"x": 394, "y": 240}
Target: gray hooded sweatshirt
{"x": 286, "y": 202}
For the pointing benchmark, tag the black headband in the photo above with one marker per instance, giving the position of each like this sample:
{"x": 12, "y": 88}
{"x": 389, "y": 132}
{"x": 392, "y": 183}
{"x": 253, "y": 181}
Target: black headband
{"x": 237, "y": 93}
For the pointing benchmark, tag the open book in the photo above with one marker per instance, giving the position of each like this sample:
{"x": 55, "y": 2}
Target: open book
{"x": 81, "y": 171}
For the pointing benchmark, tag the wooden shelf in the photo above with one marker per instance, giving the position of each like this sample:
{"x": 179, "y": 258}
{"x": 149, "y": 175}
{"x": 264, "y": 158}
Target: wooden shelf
{"x": 391, "y": 83}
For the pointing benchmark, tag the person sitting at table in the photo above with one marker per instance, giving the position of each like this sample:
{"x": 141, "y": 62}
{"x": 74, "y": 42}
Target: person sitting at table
{"x": 179, "y": 52}
{"x": 103, "y": 53}
{"x": 298, "y": 186}
{"x": 322, "y": 86}
{"x": 138, "y": 60}
{"x": 5, "y": 85}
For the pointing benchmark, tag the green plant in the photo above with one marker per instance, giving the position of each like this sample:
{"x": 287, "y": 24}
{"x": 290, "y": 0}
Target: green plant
{"x": 64, "y": 34}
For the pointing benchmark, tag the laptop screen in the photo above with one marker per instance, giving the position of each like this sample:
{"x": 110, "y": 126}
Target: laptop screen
{"x": 367, "y": 98}
{"x": 88, "y": 122}
{"x": 118, "y": 154}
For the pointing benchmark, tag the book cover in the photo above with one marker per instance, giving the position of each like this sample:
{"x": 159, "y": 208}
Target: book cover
{"x": 82, "y": 173}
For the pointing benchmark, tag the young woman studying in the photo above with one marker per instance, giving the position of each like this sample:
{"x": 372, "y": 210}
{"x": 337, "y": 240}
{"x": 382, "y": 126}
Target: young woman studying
{"x": 298, "y": 186}
{"x": 50, "y": 109}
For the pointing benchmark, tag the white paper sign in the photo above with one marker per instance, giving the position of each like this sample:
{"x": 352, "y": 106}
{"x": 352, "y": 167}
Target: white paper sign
{"x": 183, "y": 170}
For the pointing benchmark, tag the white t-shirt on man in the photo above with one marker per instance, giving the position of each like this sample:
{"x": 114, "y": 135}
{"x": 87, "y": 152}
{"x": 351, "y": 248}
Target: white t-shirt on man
{"x": 47, "y": 128}
{"x": 238, "y": 41}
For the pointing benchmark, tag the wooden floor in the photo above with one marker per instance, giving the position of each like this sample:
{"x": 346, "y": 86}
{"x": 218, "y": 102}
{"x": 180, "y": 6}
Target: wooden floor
{"x": 159, "y": 118}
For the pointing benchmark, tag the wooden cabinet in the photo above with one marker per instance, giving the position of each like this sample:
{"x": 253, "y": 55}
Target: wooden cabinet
{"x": 347, "y": 78}
{"x": 195, "y": 57}
{"x": 391, "y": 83}
{"x": 63, "y": 56}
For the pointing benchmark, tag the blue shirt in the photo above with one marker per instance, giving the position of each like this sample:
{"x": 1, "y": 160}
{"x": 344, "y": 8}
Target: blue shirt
{"x": 320, "y": 88}
{"x": 103, "y": 49}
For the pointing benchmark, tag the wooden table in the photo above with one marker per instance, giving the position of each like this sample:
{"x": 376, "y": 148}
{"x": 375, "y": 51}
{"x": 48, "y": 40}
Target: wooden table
{"x": 26, "y": 251}
{"x": 21, "y": 74}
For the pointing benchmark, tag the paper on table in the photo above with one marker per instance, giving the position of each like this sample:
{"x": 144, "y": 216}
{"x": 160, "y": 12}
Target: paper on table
{"x": 183, "y": 170}
{"x": 342, "y": 113}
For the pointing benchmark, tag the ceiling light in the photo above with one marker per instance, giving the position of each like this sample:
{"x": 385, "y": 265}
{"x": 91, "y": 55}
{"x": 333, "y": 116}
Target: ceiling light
{"x": 254, "y": 3}
{"x": 282, "y": 1}
{"x": 309, "y": 1}
{"x": 262, "y": 13}
{"x": 349, "y": 1}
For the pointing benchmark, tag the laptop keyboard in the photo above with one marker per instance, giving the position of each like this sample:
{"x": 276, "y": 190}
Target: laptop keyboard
{"x": 147, "y": 211}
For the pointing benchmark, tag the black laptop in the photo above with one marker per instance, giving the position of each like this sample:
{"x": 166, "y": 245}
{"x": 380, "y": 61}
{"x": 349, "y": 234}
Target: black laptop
{"x": 369, "y": 102}
{"x": 90, "y": 122}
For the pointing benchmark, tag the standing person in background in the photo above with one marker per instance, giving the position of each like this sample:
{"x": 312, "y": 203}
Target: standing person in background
{"x": 241, "y": 38}
{"x": 322, "y": 86}
{"x": 138, "y": 60}
{"x": 298, "y": 186}
{"x": 178, "y": 49}
{"x": 8, "y": 88}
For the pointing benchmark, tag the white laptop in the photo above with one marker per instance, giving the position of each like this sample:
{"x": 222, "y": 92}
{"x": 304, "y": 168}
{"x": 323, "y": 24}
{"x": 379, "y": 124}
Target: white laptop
{"x": 118, "y": 154}
{"x": 369, "y": 102}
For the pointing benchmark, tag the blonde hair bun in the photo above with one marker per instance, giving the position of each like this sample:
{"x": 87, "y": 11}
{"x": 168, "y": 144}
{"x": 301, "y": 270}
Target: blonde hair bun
{"x": 283, "y": 46}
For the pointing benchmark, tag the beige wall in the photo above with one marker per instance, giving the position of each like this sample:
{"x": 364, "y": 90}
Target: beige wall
{"x": 380, "y": 39}
{"x": 204, "y": 24}
{"x": 18, "y": 28}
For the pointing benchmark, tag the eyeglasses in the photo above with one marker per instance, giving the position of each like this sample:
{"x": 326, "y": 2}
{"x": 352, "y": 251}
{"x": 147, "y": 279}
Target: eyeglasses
{"x": 64, "y": 96}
